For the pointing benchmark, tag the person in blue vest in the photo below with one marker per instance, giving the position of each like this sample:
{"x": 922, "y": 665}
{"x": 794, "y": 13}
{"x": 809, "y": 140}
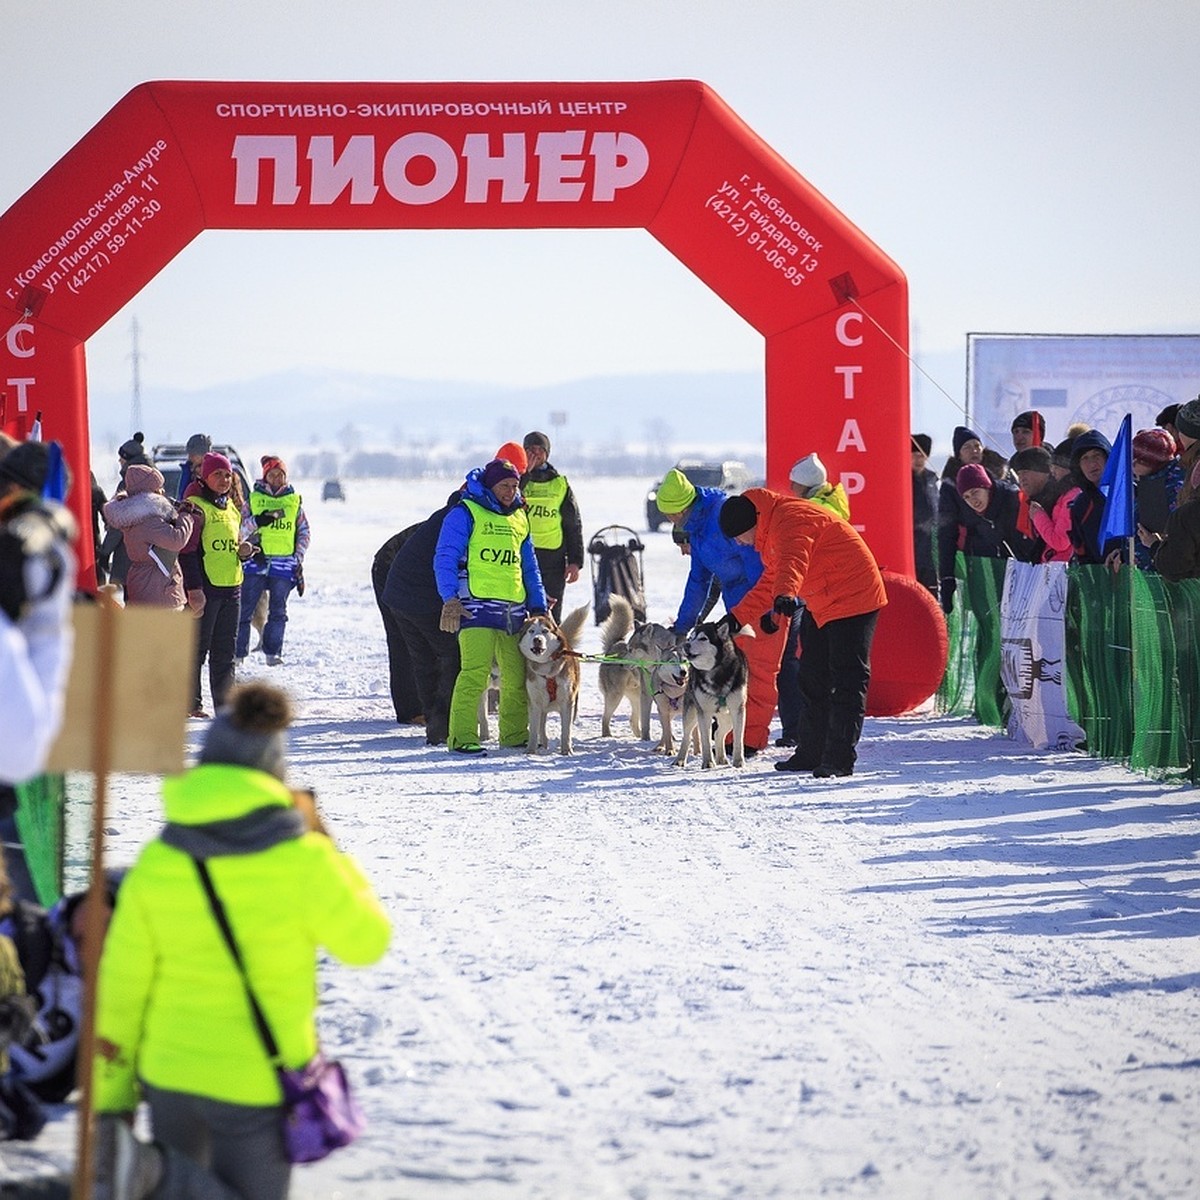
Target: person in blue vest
{"x": 488, "y": 579}
{"x": 283, "y": 535}
{"x": 554, "y": 521}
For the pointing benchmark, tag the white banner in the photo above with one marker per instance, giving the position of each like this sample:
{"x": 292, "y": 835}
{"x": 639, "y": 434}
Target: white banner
{"x": 1068, "y": 378}
{"x": 1032, "y": 655}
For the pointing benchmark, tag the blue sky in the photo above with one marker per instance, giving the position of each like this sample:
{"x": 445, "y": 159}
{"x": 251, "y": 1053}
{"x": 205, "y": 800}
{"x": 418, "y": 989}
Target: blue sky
{"x": 1031, "y": 166}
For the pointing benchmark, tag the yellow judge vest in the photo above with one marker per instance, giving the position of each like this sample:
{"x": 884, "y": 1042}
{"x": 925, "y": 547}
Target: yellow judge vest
{"x": 494, "y": 553}
{"x": 545, "y": 501}
{"x": 219, "y": 542}
{"x": 278, "y": 539}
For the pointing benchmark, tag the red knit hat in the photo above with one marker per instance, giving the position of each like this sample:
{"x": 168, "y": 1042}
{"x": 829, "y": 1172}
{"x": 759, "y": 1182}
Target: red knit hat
{"x": 214, "y": 462}
{"x": 270, "y": 462}
{"x": 515, "y": 453}
{"x": 1154, "y": 447}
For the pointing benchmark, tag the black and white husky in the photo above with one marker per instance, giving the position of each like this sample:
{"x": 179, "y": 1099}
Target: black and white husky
{"x": 715, "y": 700}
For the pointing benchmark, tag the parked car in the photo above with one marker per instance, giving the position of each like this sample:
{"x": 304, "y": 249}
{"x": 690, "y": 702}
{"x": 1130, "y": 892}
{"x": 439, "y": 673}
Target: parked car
{"x": 730, "y": 476}
{"x": 169, "y": 457}
{"x": 333, "y": 490}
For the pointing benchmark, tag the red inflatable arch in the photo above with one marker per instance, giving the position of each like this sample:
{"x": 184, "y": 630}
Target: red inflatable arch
{"x": 175, "y": 158}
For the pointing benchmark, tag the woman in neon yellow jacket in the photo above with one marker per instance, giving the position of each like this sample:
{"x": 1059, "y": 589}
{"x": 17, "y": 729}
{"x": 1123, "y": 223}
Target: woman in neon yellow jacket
{"x": 173, "y": 1025}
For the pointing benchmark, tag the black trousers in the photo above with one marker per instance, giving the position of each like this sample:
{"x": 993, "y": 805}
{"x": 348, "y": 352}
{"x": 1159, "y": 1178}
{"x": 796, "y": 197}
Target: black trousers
{"x": 835, "y": 668}
{"x": 405, "y": 698}
{"x": 552, "y": 564}
{"x": 216, "y": 633}
{"x": 787, "y": 684}
{"x": 434, "y": 658}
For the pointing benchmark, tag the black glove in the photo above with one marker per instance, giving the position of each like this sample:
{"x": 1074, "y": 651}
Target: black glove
{"x": 768, "y": 624}
{"x": 785, "y": 606}
{"x": 268, "y": 518}
{"x": 948, "y": 586}
{"x": 298, "y": 575}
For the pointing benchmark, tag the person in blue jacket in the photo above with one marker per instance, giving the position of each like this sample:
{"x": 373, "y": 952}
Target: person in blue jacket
{"x": 488, "y": 579}
{"x": 696, "y": 511}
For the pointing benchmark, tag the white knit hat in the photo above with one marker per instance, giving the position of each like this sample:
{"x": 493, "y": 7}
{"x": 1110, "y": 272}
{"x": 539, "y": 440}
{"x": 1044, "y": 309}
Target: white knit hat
{"x": 809, "y": 472}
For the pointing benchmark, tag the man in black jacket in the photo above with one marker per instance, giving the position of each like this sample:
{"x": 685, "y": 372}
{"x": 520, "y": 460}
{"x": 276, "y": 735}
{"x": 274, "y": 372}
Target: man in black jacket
{"x": 554, "y": 521}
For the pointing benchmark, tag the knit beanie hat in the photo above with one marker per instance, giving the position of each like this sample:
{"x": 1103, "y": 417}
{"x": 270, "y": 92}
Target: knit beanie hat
{"x": 1062, "y": 453}
{"x": 1154, "y": 447}
{"x": 1167, "y": 416}
{"x": 737, "y": 516}
{"x": 248, "y": 731}
{"x": 922, "y": 442}
{"x": 809, "y": 472}
{"x": 214, "y": 462}
{"x": 1032, "y": 420}
{"x": 675, "y": 493}
{"x": 199, "y": 443}
{"x": 272, "y": 462}
{"x": 27, "y": 465}
{"x": 970, "y": 476}
{"x": 537, "y": 439}
{"x": 141, "y": 477}
{"x": 498, "y": 469}
{"x": 963, "y": 435}
{"x": 133, "y": 450}
{"x": 1187, "y": 419}
{"x": 515, "y": 453}
{"x": 1032, "y": 458}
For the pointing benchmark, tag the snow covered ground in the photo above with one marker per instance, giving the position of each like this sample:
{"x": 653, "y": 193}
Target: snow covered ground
{"x": 968, "y": 971}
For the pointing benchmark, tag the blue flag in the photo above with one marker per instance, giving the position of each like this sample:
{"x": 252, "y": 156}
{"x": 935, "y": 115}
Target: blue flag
{"x": 55, "y": 487}
{"x": 1116, "y": 484}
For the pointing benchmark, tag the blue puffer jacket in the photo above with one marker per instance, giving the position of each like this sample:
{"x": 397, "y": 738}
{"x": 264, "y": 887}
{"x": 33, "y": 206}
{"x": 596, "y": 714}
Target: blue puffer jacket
{"x": 450, "y": 556}
{"x": 736, "y": 567}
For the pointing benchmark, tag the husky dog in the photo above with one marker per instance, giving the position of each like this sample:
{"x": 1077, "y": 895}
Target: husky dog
{"x": 715, "y": 700}
{"x": 551, "y": 675}
{"x": 648, "y": 675}
{"x": 668, "y": 684}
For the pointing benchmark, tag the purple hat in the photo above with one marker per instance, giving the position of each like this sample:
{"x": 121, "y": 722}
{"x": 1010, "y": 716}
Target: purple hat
{"x": 971, "y": 476}
{"x": 497, "y": 470}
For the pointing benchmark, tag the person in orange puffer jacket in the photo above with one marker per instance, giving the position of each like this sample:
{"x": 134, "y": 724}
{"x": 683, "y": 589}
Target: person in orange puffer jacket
{"x": 809, "y": 552}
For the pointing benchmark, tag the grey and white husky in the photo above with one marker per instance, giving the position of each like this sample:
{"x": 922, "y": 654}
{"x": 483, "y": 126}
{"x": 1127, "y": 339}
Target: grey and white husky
{"x": 653, "y": 673}
{"x": 715, "y": 700}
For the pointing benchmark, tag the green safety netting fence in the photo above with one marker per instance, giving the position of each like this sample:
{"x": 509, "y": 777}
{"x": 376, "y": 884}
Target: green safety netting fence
{"x": 41, "y": 813}
{"x": 1132, "y": 671}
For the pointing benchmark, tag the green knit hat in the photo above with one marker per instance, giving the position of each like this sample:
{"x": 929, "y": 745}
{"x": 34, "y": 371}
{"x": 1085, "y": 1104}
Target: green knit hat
{"x": 675, "y": 493}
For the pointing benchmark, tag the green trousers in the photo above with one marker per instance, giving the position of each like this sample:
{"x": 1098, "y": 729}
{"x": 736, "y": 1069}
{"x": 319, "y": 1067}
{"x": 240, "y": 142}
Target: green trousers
{"x": 477, "y": 649}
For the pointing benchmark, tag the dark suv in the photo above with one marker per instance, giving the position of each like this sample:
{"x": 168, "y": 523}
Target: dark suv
{"x": 168, "y": 457}
{"x": 729, "y": 476}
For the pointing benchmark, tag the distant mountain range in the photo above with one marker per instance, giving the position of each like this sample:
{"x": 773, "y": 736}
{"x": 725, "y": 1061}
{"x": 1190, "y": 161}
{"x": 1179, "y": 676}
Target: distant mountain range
{"x": 311, "y": 406}
{"x": 713, "y": 414}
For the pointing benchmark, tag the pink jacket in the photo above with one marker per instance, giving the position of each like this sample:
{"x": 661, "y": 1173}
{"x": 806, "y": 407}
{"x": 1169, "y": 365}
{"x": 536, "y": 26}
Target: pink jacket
{"x": 1054, "y": 528}
{"x": 148, "y": 520}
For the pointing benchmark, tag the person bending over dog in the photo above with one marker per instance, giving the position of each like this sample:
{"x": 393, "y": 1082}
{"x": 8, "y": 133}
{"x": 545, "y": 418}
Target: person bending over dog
{"x": 810, "y": 552}
{"x": 695, "y": 511}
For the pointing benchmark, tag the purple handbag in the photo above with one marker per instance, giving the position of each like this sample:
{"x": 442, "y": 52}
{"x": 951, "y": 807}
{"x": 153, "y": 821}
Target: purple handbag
{"x": 320, "y": 1114}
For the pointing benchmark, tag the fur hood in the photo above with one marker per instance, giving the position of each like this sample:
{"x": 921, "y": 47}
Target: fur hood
{"x": 125, "y": 511}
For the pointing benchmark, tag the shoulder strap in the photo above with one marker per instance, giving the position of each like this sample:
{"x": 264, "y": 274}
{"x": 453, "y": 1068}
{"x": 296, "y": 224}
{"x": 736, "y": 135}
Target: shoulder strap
{"x": 218, "y": 910}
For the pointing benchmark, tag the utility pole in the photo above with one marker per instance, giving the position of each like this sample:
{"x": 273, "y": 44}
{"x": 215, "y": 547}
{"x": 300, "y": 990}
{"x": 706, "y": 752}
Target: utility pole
{"x": 135, "y": 404}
